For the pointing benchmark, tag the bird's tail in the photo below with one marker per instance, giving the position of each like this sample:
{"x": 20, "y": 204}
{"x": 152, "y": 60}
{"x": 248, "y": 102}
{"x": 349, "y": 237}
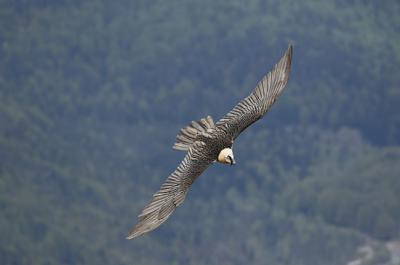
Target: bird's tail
{"x": 187, "y": 136}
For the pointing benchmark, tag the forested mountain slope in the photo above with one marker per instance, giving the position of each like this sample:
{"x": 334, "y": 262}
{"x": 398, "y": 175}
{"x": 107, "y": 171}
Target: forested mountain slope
{"x": 92, "y": 94}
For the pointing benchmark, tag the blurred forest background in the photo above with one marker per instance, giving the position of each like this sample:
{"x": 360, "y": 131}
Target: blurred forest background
{"x": 92, "y": 94}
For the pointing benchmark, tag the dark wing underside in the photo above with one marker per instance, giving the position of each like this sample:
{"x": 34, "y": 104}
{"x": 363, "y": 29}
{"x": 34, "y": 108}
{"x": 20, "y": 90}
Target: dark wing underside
{"x": 253, "y": 107}
{"x": 172, "y": 193}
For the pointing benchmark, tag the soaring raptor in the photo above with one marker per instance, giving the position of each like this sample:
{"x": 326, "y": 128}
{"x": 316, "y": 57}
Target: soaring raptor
{"x": 207, "y": 142}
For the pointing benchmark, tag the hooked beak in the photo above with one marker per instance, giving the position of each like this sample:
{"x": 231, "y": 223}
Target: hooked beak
{"x": 233, "y": 162}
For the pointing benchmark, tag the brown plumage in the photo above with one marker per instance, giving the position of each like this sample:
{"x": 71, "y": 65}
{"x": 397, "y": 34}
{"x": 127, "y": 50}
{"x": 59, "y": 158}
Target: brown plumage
{"x": 207, "y": 142}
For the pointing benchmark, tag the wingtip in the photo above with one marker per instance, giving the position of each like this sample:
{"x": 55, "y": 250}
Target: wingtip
{"x": 132, "y": 235}
{"x": 290, "y": 50}
{"x": 134, "y": 232}
{"x": 288, "y": 57}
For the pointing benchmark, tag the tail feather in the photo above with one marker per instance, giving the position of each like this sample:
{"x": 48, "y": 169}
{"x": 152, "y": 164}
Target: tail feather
{"x": 187, "y": 136}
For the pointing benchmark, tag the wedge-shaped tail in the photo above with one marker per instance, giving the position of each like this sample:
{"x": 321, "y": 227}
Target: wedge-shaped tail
{"x": 187, "y": 136}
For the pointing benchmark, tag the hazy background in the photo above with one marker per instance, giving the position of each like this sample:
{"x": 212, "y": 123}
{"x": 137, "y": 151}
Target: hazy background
{"x": 92, "y": 94}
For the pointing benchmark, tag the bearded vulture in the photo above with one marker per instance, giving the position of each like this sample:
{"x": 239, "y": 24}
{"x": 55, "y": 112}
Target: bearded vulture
{"x": 207, "y": 142}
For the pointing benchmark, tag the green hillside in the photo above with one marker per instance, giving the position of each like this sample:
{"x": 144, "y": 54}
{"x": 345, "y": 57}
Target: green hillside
{"x": 92, "y": 94}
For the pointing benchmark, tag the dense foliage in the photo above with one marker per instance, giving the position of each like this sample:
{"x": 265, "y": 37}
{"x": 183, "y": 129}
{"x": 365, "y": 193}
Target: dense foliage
{"x": 92, "y": 94}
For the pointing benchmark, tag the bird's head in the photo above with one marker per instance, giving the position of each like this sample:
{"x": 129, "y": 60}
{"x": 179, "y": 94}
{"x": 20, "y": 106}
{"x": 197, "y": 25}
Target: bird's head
{"x": 226, "y": 156}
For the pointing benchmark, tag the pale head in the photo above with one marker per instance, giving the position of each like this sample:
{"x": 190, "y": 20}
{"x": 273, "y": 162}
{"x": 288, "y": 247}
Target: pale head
{"x": 226, "y": 156}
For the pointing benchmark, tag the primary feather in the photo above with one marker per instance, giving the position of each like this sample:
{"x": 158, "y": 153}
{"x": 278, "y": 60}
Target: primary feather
{"x": 260, "y": 100}
{"x": 172, "y": 193}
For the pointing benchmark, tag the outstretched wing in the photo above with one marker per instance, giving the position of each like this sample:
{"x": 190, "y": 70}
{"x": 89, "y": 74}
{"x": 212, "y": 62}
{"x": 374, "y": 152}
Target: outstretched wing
{"x": 253, "y": 107}
{"x": 173, "y": 192}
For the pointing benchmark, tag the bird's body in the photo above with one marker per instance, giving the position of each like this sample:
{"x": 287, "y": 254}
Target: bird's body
{"x": 206, "y": 142}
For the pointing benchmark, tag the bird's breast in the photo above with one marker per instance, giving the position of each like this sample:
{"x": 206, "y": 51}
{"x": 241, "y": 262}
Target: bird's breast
{"x": 215, "y": 144}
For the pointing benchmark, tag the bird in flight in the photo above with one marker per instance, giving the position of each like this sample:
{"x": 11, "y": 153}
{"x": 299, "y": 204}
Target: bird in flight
{"x": 207, "y": 142}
